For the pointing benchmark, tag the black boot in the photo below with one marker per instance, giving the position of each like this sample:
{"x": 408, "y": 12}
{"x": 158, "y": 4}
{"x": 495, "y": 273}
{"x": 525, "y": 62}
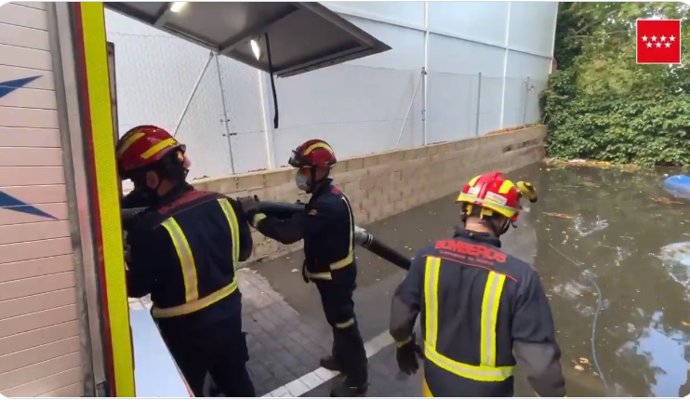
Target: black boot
{"x": 350, "y": 345}
{"x": 349, "y": 388}
{"x": 331, "y": 363}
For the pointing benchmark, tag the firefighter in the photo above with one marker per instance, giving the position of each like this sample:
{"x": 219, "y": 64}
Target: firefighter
{"x": 327, "y": 228}
{"x": 481, "y": 309}
{"x": 183, "y": 251}
{"x": 139, "y": 196}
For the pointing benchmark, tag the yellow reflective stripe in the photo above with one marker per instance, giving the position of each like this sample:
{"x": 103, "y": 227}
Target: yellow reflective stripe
{"x": 490, "y": 303}
{"x": 474, "y": 180}
{"x": 403, "y": 342}
{"x": 106, "y": 181}
{"x": 158, "y": 147}
{"x": 319, "y": 275}
{"x": 505, "y": 186}
{"x": 343, "y": 263}
{"x": 197, "y": 305}
{"x": 130, "y": 141}
{"x": 425, "y": 389}
{"x": 184, "y": 253}
{"x": 477, "y": 373}
{"x": 431, "y": 272}
{"x": 346, "y": 324}
{"x": 234, "y": 230}
{"x": 351, "y": 250}
{"x": 318, "y": 145}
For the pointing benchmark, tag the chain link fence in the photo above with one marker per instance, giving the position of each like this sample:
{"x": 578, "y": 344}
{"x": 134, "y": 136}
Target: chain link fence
{"x": 223, "y": 110}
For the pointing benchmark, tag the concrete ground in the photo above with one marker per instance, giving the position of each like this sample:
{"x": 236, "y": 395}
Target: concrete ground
{"x": 288, "y": 334}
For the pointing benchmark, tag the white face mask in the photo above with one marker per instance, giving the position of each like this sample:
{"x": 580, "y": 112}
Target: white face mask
{"x": 302, "y": 182}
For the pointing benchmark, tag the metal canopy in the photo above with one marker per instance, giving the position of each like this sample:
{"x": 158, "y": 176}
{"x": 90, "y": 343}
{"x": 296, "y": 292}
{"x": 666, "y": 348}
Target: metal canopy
{"x": 302, "y": 36}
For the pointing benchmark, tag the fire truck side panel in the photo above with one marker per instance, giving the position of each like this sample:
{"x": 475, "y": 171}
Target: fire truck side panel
{"x": 41, "y": 343}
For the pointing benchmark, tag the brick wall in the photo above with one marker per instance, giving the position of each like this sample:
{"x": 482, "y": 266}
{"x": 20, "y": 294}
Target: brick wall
{"x": 385, "y": 184}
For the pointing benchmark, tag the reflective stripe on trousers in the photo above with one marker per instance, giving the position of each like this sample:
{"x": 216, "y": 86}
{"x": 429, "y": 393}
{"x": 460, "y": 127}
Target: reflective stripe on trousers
{"x": 425, "y": 389}
{"x": 486, "y": 371}
{"x": 189, "y": 272}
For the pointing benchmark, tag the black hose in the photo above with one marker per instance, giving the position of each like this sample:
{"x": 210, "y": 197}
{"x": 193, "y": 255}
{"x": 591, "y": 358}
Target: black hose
{"x": 285, "y": 210}
{"x": 370, "y": 243}
{"x": 273, "y": 85}
{"x": 278, "y": 209}
{"x": 128, "y": 215}
{"x": 388, "y": 254}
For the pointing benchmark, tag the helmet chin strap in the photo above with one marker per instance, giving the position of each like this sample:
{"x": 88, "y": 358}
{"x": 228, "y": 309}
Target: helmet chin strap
{"x": 314, "y": 184}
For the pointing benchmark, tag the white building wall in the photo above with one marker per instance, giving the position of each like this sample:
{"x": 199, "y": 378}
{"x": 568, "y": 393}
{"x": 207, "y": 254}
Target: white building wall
{"x": 363, "y": 106}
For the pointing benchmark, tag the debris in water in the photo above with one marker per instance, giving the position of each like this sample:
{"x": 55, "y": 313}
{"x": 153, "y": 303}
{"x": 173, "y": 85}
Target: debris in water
{"x": 294, "y": 270}
{"x": 584, "y": 361}
{"x": 666, "y": 200}
{"x": 579, "y": 368}
{"x": 559, "y": 215}
{"x": 598, "y": 225}
{"x": 685, "y": 323}
{"x": 676, "y": 258}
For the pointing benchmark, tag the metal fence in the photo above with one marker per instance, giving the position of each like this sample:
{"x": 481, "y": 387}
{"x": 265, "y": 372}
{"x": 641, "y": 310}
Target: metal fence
{"x": 223, "y": 110}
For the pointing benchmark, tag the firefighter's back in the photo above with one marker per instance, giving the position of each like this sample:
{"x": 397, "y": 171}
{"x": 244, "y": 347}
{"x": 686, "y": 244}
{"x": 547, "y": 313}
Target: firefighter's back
{"x": 193, "y": 245}
{"x": 469, "y": 291}
{"x": 193, "y": 250}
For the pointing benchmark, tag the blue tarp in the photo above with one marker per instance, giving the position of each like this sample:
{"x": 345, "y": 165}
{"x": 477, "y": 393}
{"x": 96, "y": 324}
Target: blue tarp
{"x": 678, "y": 186}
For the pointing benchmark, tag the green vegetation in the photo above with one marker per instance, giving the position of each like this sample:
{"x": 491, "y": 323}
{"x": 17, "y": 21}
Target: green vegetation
{"x": 602, "y": 105}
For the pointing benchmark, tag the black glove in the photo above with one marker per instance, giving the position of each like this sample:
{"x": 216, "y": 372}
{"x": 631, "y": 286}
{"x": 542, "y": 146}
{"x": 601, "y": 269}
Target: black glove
{"x": 249, "y": 204}
{"x": 407, "y": 356}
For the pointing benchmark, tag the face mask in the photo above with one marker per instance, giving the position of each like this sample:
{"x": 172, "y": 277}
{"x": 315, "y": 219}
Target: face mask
{"x": 302, "y": 182}
{"x": 144, "y": 196}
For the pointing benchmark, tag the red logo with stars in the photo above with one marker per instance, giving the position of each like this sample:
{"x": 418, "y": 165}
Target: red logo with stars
{"x": 658, "y": 41}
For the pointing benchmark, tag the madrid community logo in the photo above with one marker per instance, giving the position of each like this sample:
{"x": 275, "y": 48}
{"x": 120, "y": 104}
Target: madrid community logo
{"x": 658, "y": 41}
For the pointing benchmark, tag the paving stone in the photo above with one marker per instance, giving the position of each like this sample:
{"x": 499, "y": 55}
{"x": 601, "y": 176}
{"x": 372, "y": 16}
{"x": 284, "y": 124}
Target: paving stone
{"x": 285, "y": 348}
{"x": 325, "y": 374}
{"x": 297, "y": 388}
{"x": 279, "y": 392}
{"x": 312, "y": 379}
{"x": 259, "y": 372}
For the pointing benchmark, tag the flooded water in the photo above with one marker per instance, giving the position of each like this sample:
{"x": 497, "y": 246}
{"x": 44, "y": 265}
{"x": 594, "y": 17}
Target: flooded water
{"x": 613, "y": 252}
{"x": 611, "y": 249}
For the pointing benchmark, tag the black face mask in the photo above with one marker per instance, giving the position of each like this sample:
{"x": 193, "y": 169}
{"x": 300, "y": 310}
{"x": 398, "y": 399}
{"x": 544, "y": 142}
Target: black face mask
{"x": 143, "y": 196}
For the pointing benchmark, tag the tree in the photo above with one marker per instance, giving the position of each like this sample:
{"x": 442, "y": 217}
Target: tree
{"x": 600, "y": 104}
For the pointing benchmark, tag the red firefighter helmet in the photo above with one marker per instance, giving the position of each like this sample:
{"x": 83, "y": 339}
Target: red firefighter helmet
{"x": 142, "y": 146}
{"x": 313, "y": 153}
{"x": 492, "y": 192}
